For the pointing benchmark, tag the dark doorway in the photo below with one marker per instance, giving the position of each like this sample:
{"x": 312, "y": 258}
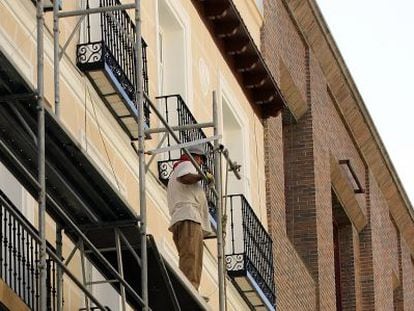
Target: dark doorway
{"x": 344, "y": 259}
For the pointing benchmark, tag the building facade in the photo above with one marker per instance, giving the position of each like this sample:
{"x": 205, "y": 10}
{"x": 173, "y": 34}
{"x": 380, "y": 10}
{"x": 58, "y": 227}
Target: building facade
{"x": 92, "y": 171}
{"x": 318, "y": 220}
{"x": 341, "y": 221}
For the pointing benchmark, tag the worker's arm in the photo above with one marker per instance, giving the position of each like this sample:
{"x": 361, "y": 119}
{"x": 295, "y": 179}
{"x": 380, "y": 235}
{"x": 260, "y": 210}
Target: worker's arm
{"x": 189, "y": 179}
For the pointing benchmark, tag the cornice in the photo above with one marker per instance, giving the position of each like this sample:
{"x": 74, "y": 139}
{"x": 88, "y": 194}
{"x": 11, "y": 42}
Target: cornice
{"x": 233, "y": 39}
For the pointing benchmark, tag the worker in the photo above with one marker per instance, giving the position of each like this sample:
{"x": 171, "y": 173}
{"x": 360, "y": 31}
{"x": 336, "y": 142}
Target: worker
{"x": 188, "y": 208}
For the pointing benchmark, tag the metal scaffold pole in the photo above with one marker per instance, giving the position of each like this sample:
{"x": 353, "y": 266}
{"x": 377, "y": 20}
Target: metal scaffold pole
{"x": 56, "y": 58}
{"x": 56, "y": 81}
{"x": 141, "y": 154}
{"x": 59, "y": 271}
{"x": 220, "y": 250}
{"x": 41, "y": 155}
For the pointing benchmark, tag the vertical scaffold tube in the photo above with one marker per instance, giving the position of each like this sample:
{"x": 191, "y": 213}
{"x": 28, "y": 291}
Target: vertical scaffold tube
{"x": 56, "y": 59}
{"x": 41, "y": 154}
{"x": 220, "y": 251}
{"x": 59, "y": 271}
{"x": 141, "y": 154}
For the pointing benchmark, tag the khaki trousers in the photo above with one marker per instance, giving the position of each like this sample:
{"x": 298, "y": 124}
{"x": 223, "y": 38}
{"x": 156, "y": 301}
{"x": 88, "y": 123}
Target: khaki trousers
{"x": 188, "y": 238}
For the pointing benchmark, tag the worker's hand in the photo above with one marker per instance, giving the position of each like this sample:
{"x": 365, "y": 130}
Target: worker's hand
{"x": 210, "y": 178}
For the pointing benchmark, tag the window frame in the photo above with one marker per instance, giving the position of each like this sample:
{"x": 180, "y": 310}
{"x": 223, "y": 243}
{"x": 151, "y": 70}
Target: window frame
{"x": 241, "y": 118}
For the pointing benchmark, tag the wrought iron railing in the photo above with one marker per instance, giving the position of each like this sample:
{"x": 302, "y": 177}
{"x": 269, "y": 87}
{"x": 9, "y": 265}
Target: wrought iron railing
{"x": 19, "y": 258}
{"x": 248, "y": 245}
{"x": 176, "y": 113}
{"x": 109, "y": 39}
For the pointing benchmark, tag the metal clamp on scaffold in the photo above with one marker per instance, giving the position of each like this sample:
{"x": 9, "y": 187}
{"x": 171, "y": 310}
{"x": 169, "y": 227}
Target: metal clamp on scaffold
{"x": 233, "y": 165}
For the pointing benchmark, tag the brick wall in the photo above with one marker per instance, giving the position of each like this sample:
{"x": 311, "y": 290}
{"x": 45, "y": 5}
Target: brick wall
{"x": 381, "y": 260}
{"x": 331, "y": 138}
{"x": 274, "y": 175}
{"x": 398, "y": 294}
{"x": 407, "y": 266}
{"x": 282, "y": 42}
{"x": 366, "y": 255}
{"x": 392, "y": 245}
{"x": 379, "y": 268}
{"x": 323, "y": 203}
{"x": 295, "y": 288}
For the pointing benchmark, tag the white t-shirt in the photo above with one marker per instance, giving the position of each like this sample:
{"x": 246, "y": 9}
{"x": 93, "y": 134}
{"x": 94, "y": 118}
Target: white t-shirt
{"x": 187, "y": 202}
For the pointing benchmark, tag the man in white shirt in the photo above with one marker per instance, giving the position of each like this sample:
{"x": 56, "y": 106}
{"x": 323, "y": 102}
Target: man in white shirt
{"x": 188, "y": 208}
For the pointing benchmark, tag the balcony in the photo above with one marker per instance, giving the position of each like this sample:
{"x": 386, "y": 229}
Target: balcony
{"x": 107, "y": 56}
{"x": 249, "y": 258}
{"x": 19, "y": 257}
{"x": 176, "y": 113}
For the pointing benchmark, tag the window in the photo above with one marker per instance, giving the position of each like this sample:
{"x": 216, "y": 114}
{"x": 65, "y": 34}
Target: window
{"x": 172, "y": 62}
{"x": 11, "y": 187}
{"x": 344, "y": 260}
{"x": 233, "y": 139}
{"x": 161, "y": 68}
{"x": 17, "y": 194}
{"x": 91, "y": 26}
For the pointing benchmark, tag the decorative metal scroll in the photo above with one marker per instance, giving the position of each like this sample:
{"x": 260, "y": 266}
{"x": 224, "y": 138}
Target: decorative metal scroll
{"x": 236, "y": 262}
{"x": 165, "y": 169}
{"x": 90, "y": 53}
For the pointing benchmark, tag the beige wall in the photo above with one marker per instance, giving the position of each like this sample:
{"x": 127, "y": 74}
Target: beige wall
{"x": 252, "y": 17}
{"x": 87, "y": 119}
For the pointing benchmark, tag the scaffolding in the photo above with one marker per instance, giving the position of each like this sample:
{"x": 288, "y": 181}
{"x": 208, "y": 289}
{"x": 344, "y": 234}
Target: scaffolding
{"x": 87, "y": 237}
